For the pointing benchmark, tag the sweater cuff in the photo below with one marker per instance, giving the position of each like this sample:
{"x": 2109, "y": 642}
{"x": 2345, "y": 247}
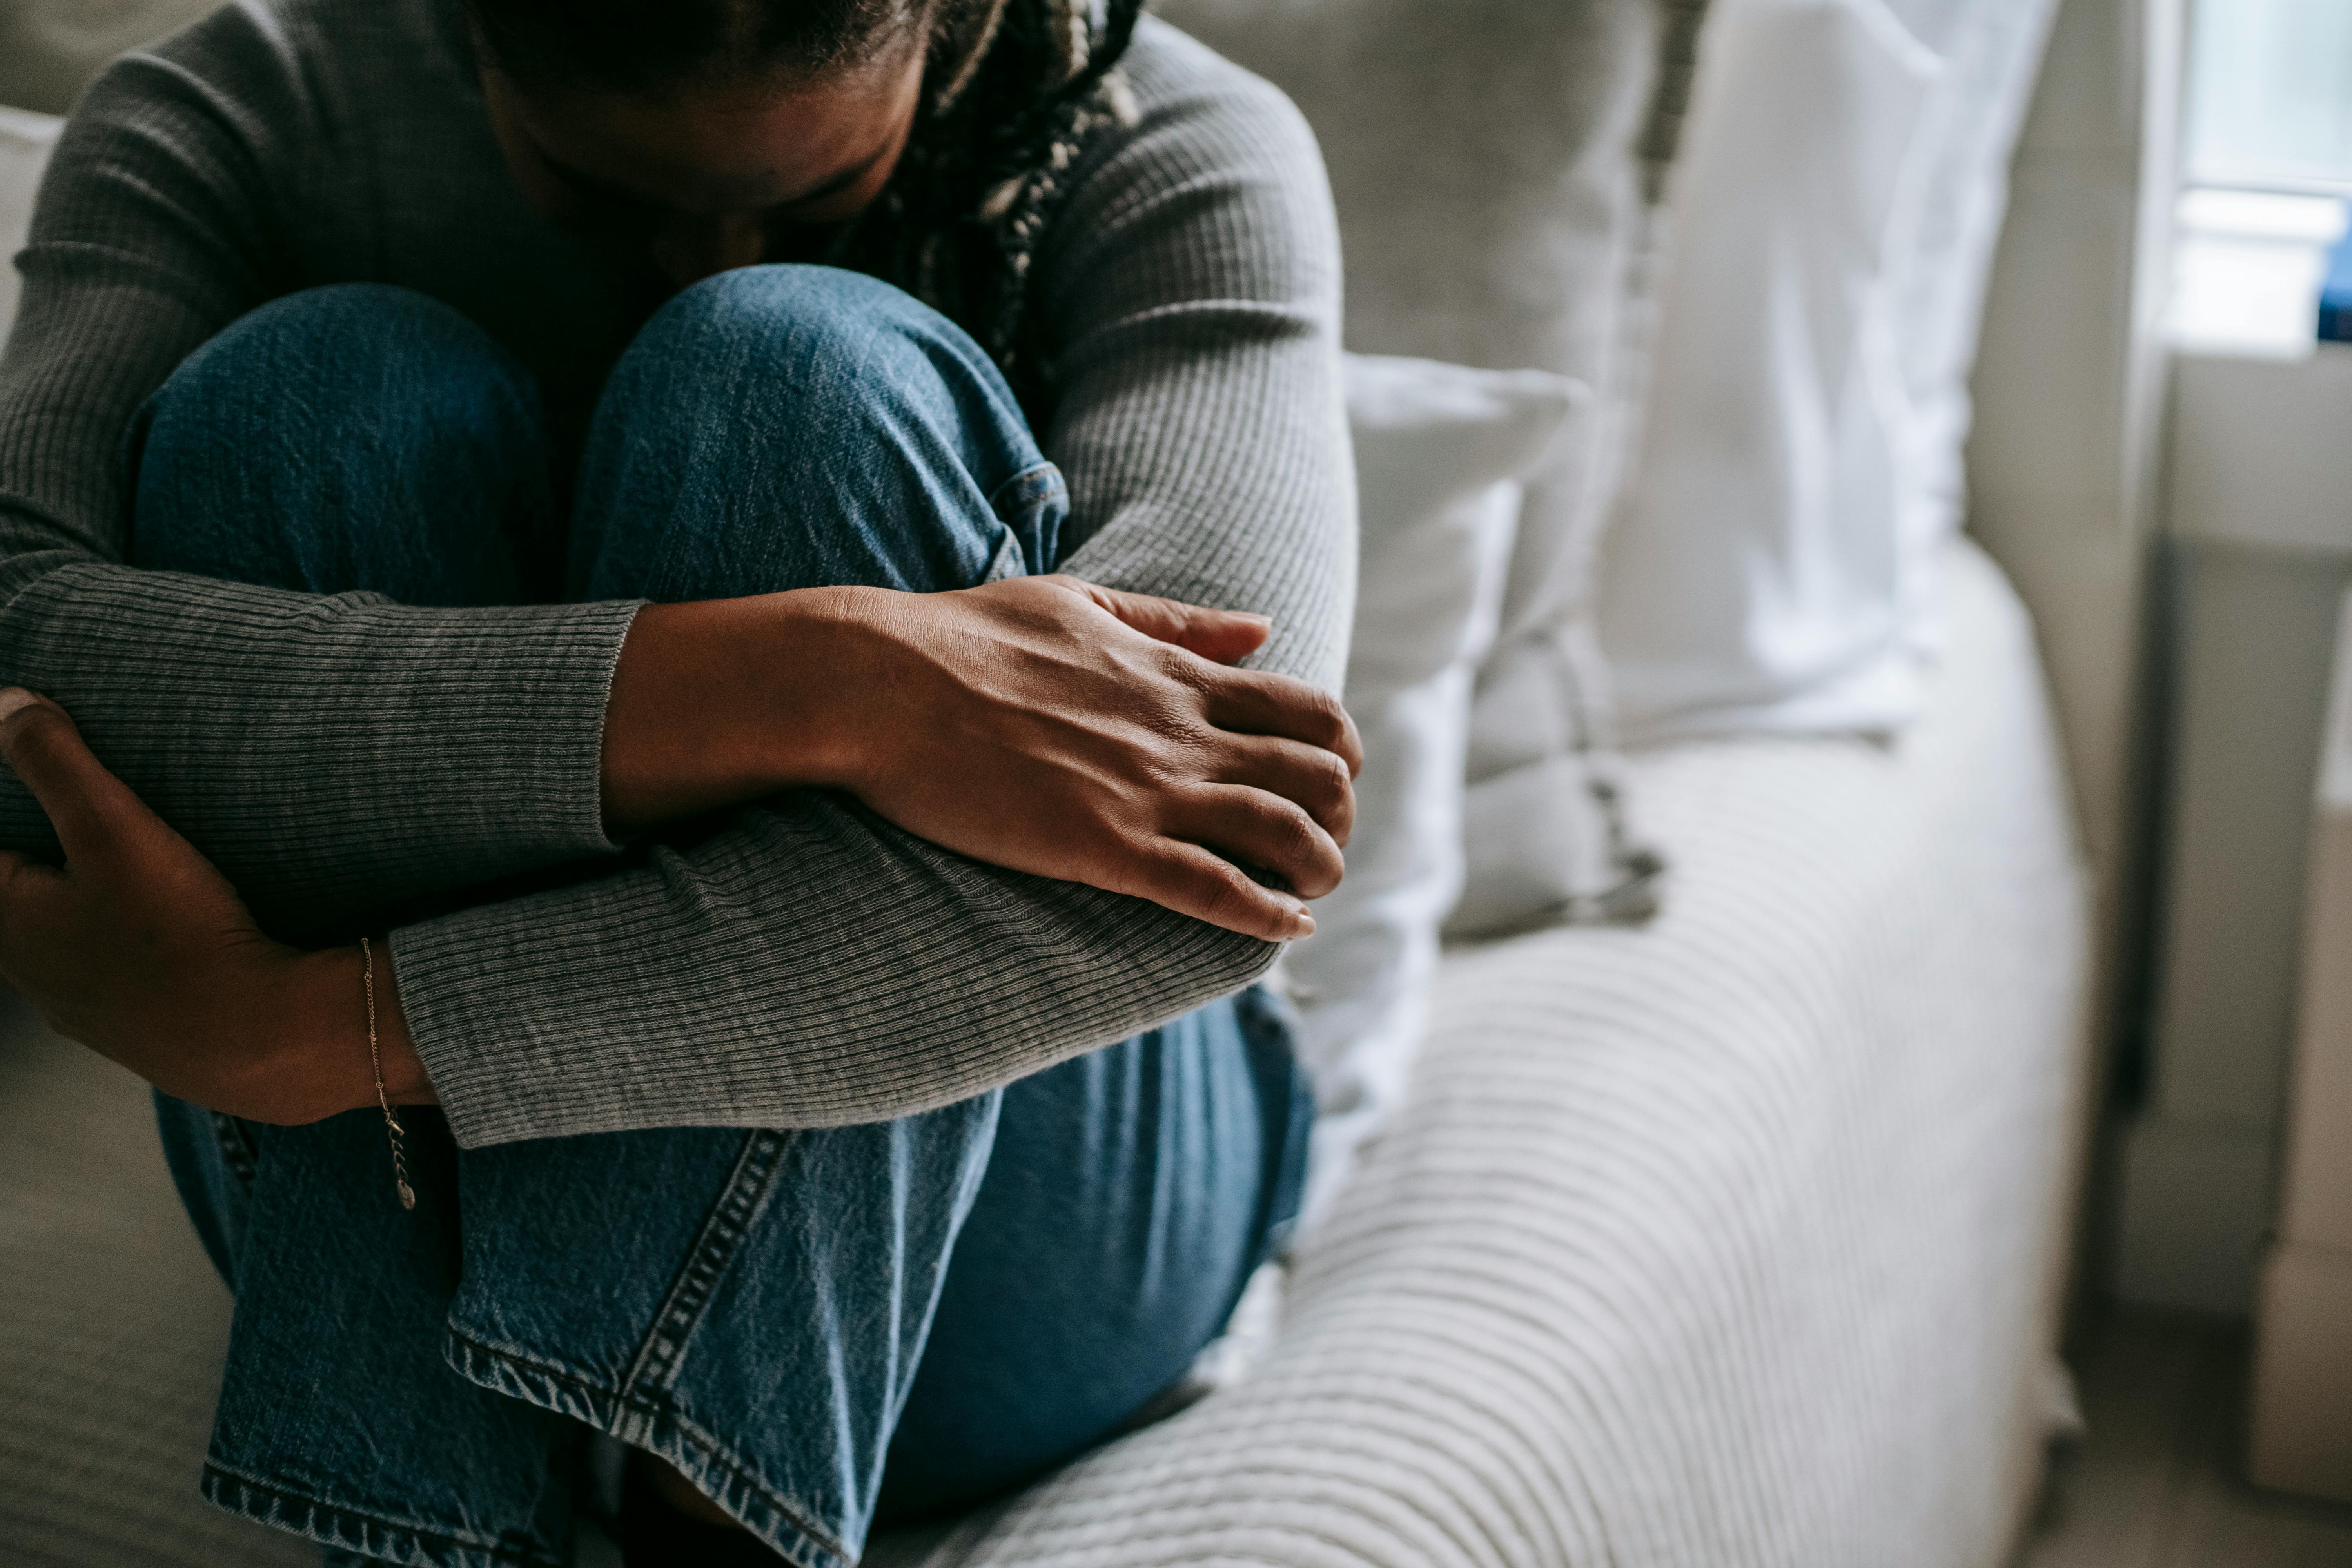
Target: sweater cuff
{"x": 544, "y": 732}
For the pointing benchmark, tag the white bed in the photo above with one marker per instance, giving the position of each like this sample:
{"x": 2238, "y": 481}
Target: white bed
{"x": 1729, "y": 1241}
{"x": 1733, "y": 1240}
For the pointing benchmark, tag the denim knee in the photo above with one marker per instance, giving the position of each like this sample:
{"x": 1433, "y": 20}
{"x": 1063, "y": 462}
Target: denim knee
{"x": 782, "y": 426}
{"x": 357, "y": 435}
{"x": 336, "y": 319}
{"x": 815, "y": 323}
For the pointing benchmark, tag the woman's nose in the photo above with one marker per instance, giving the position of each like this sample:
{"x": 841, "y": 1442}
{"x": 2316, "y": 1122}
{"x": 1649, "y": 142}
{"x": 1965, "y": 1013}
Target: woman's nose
{"x": 688, "y": 249}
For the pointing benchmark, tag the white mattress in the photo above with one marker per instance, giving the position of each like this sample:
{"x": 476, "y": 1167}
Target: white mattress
{"x": 1725, "y": 1242}
{"x": 1730, "y": 1241}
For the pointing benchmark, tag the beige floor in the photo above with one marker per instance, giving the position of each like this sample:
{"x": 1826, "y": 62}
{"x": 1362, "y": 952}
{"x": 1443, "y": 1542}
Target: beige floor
{"x": 2158, "y": 1482}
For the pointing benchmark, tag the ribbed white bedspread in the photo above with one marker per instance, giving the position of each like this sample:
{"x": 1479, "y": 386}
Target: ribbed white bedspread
{"x": 1731, "y": 1241}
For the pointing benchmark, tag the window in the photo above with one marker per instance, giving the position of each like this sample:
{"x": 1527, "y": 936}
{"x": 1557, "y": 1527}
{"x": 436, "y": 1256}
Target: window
{"x": 2268, "y": 155}
{"x": 2270, "y": 95}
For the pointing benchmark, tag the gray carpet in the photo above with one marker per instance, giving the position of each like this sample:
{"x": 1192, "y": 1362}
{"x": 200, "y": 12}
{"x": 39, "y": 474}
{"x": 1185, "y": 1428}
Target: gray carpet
{"x": 111, "y": 1328}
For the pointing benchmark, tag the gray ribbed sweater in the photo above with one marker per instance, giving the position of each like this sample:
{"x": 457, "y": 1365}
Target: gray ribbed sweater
{"x": 810, "y": 964}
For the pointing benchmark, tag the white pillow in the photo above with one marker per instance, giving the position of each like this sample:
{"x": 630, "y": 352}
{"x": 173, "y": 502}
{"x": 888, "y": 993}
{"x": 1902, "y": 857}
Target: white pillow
{"x": 1750, "y": 580}
{"x": 25, "y": 142}
{"x": 1437, "y": 450}
{"x": 1835, "y": 217}
{"x": 1992, "y": 51}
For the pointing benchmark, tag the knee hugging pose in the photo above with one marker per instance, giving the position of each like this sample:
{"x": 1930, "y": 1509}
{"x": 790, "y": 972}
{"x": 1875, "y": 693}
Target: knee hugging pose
{"x": 668, "y": 667}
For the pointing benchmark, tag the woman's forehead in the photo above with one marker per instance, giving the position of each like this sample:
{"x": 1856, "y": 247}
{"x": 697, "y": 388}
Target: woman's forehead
{"x": 724, "y": 148}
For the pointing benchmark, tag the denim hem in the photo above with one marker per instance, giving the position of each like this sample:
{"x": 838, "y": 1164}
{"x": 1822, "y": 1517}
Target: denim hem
{"x": 370, "y": 1535}
{"x": 661, "y": 1431}
{"x": 1031, "y": 488}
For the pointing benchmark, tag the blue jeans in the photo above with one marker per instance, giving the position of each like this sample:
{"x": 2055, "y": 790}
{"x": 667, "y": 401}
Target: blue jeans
{"x": 819, "y": 1328}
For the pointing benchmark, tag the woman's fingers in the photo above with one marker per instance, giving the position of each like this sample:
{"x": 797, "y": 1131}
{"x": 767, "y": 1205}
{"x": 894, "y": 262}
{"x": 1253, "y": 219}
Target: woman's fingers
{"x": 1258, "y": 703}
{"x": 23, "y": 879}
{"x": 88, "y": 806}
{"x": 1315, "y": 778}
{"x": 1219, "y": 636}
{"x": 19, "y": 892}
{"x": 1038, "y": 722}
{"x": 1262, "y": 830}
{"x": 27, "y": 889}
{"x": 1195, "y": 881}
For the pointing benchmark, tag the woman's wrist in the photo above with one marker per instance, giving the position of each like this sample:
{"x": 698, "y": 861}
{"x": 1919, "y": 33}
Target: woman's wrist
{"x": 320, "y": 1004}
{"x": 724, "y": 701}
{"x": 140, "y": 949}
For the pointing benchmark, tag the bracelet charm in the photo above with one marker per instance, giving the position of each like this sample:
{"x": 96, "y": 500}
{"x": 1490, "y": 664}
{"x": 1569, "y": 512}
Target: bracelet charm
{"x": 393, "y": 1132}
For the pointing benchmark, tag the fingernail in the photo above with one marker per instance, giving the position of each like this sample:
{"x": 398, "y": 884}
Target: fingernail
{"x": 13, "y": 700}
{"x": 1303, "y": 925}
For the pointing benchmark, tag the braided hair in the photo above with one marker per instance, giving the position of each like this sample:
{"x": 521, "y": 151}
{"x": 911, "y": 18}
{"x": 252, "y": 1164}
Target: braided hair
{"x": 1013, "y": 93}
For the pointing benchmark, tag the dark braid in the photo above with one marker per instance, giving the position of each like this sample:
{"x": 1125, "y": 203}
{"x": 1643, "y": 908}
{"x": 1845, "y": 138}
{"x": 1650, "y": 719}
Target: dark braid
{"x": 1010, "y": 114}
{"x": 1014, "y": 93}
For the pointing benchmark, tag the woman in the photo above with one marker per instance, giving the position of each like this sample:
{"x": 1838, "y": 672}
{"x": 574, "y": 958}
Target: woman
{"x": 378, "y": 365}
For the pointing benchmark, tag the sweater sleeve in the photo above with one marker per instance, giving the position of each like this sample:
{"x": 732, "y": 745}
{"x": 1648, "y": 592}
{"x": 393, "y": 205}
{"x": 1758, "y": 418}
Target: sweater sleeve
{"x": 1201, "y": 420}
{"x": 810, "y": 965}
{"x": 329, "y": 753}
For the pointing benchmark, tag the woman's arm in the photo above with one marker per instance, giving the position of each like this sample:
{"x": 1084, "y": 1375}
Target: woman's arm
{"x": 1045, "y": 724}
{"x": 136, "y": 945}
{"x": 1195, "y": 285}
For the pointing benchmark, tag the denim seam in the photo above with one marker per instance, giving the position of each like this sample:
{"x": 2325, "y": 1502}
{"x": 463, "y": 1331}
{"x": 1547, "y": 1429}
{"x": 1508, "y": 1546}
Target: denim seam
{"x": 663, "y": 1353}
{"x": 659, "y": 1429}
{"x": 1008, "y": 561}
{"x": 645, "y": 1390}
{"x": 352, "y": 1530}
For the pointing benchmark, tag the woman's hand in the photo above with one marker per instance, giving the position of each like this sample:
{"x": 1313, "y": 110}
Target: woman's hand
{"x": 1042, "y": 724}
{"x": 139, "y": 949}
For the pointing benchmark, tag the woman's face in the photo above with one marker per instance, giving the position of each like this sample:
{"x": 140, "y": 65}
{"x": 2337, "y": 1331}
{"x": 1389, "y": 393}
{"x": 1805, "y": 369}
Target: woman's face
{"x": 710, "y": 178}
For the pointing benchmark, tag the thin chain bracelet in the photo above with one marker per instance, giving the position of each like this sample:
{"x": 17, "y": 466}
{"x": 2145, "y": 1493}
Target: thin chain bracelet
{"x": 392, "y": 1131}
